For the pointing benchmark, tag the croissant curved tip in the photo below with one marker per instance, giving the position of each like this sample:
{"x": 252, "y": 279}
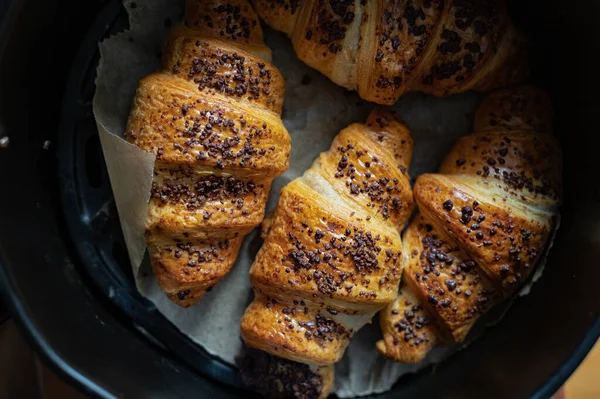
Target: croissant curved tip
{"x": 519, "y": 107}
{"x": 397, "y": 355}
{"x": 423, "y": 184}
{"x": 380, "y": 345}
{"x": 188, "y": 299}
{"x": 276, "y": 377}
{"x": 234, "y": 20}
{"x": 265, "y": 226}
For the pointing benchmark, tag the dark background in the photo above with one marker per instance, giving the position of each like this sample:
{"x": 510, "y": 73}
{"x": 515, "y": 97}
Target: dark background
{"x": 87, "y": 338}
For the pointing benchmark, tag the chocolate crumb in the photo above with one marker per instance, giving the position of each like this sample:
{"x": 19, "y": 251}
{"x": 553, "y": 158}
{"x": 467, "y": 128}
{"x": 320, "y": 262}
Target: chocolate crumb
{"x": 278, "y": 378}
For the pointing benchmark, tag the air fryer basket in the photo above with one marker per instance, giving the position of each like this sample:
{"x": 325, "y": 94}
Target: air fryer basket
{"x": 64, "y": 265}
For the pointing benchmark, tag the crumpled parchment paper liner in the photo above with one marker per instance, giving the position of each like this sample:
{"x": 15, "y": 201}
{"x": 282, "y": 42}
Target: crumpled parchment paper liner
{"x": 315, "y": 110}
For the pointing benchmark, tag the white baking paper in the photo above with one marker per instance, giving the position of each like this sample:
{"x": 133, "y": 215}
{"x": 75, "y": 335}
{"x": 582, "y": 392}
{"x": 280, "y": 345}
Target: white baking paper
{"x": 315, "y": 110}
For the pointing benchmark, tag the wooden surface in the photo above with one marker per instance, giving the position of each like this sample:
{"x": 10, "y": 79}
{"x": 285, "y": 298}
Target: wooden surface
{"x": 585, "y": 382}
{"x": 18, "y": 377}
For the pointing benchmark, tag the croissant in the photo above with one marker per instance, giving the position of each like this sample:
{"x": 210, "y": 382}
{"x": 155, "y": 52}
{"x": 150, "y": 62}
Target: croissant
{"x": 385, "y": 48}
{"x": 212, "y": 118}
{"x": 331, "y": 257}
{"x": 484, "y": 221}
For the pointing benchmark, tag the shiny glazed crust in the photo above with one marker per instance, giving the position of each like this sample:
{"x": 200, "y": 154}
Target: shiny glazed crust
{"x": 384, "y": 48}
{"x": 331, "y": 257}
{"x": 484, "y": 222}
{"x": 211, "y": 116}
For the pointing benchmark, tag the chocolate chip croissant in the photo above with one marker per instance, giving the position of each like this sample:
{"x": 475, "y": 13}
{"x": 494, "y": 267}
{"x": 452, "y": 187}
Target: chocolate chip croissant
{"x": 331, "y": 257}
{"x": 212, "y": 117}
{"x": 385, "y": 48}
{"x": 484, "y": 221}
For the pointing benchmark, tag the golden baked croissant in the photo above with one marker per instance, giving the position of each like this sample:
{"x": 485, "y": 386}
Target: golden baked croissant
{"x": 212, "y": 117}
{"x": 330, "y": 260}
{"x": 384, "y": 48}
{"x": 484, "y": 222}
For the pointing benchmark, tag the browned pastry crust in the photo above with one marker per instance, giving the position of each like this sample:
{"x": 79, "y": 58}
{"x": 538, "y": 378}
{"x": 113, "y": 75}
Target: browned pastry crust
{"x": 331, "y": 257}
{"x": 385, "y": 48}
{"x": 275, "y": 377}
{"x": 484, "y": 222}
{"x": 212, "y": 117}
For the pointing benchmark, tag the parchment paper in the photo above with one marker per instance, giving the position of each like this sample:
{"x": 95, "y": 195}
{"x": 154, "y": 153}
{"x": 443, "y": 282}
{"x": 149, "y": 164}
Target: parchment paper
{"x": 315, "y": 110}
